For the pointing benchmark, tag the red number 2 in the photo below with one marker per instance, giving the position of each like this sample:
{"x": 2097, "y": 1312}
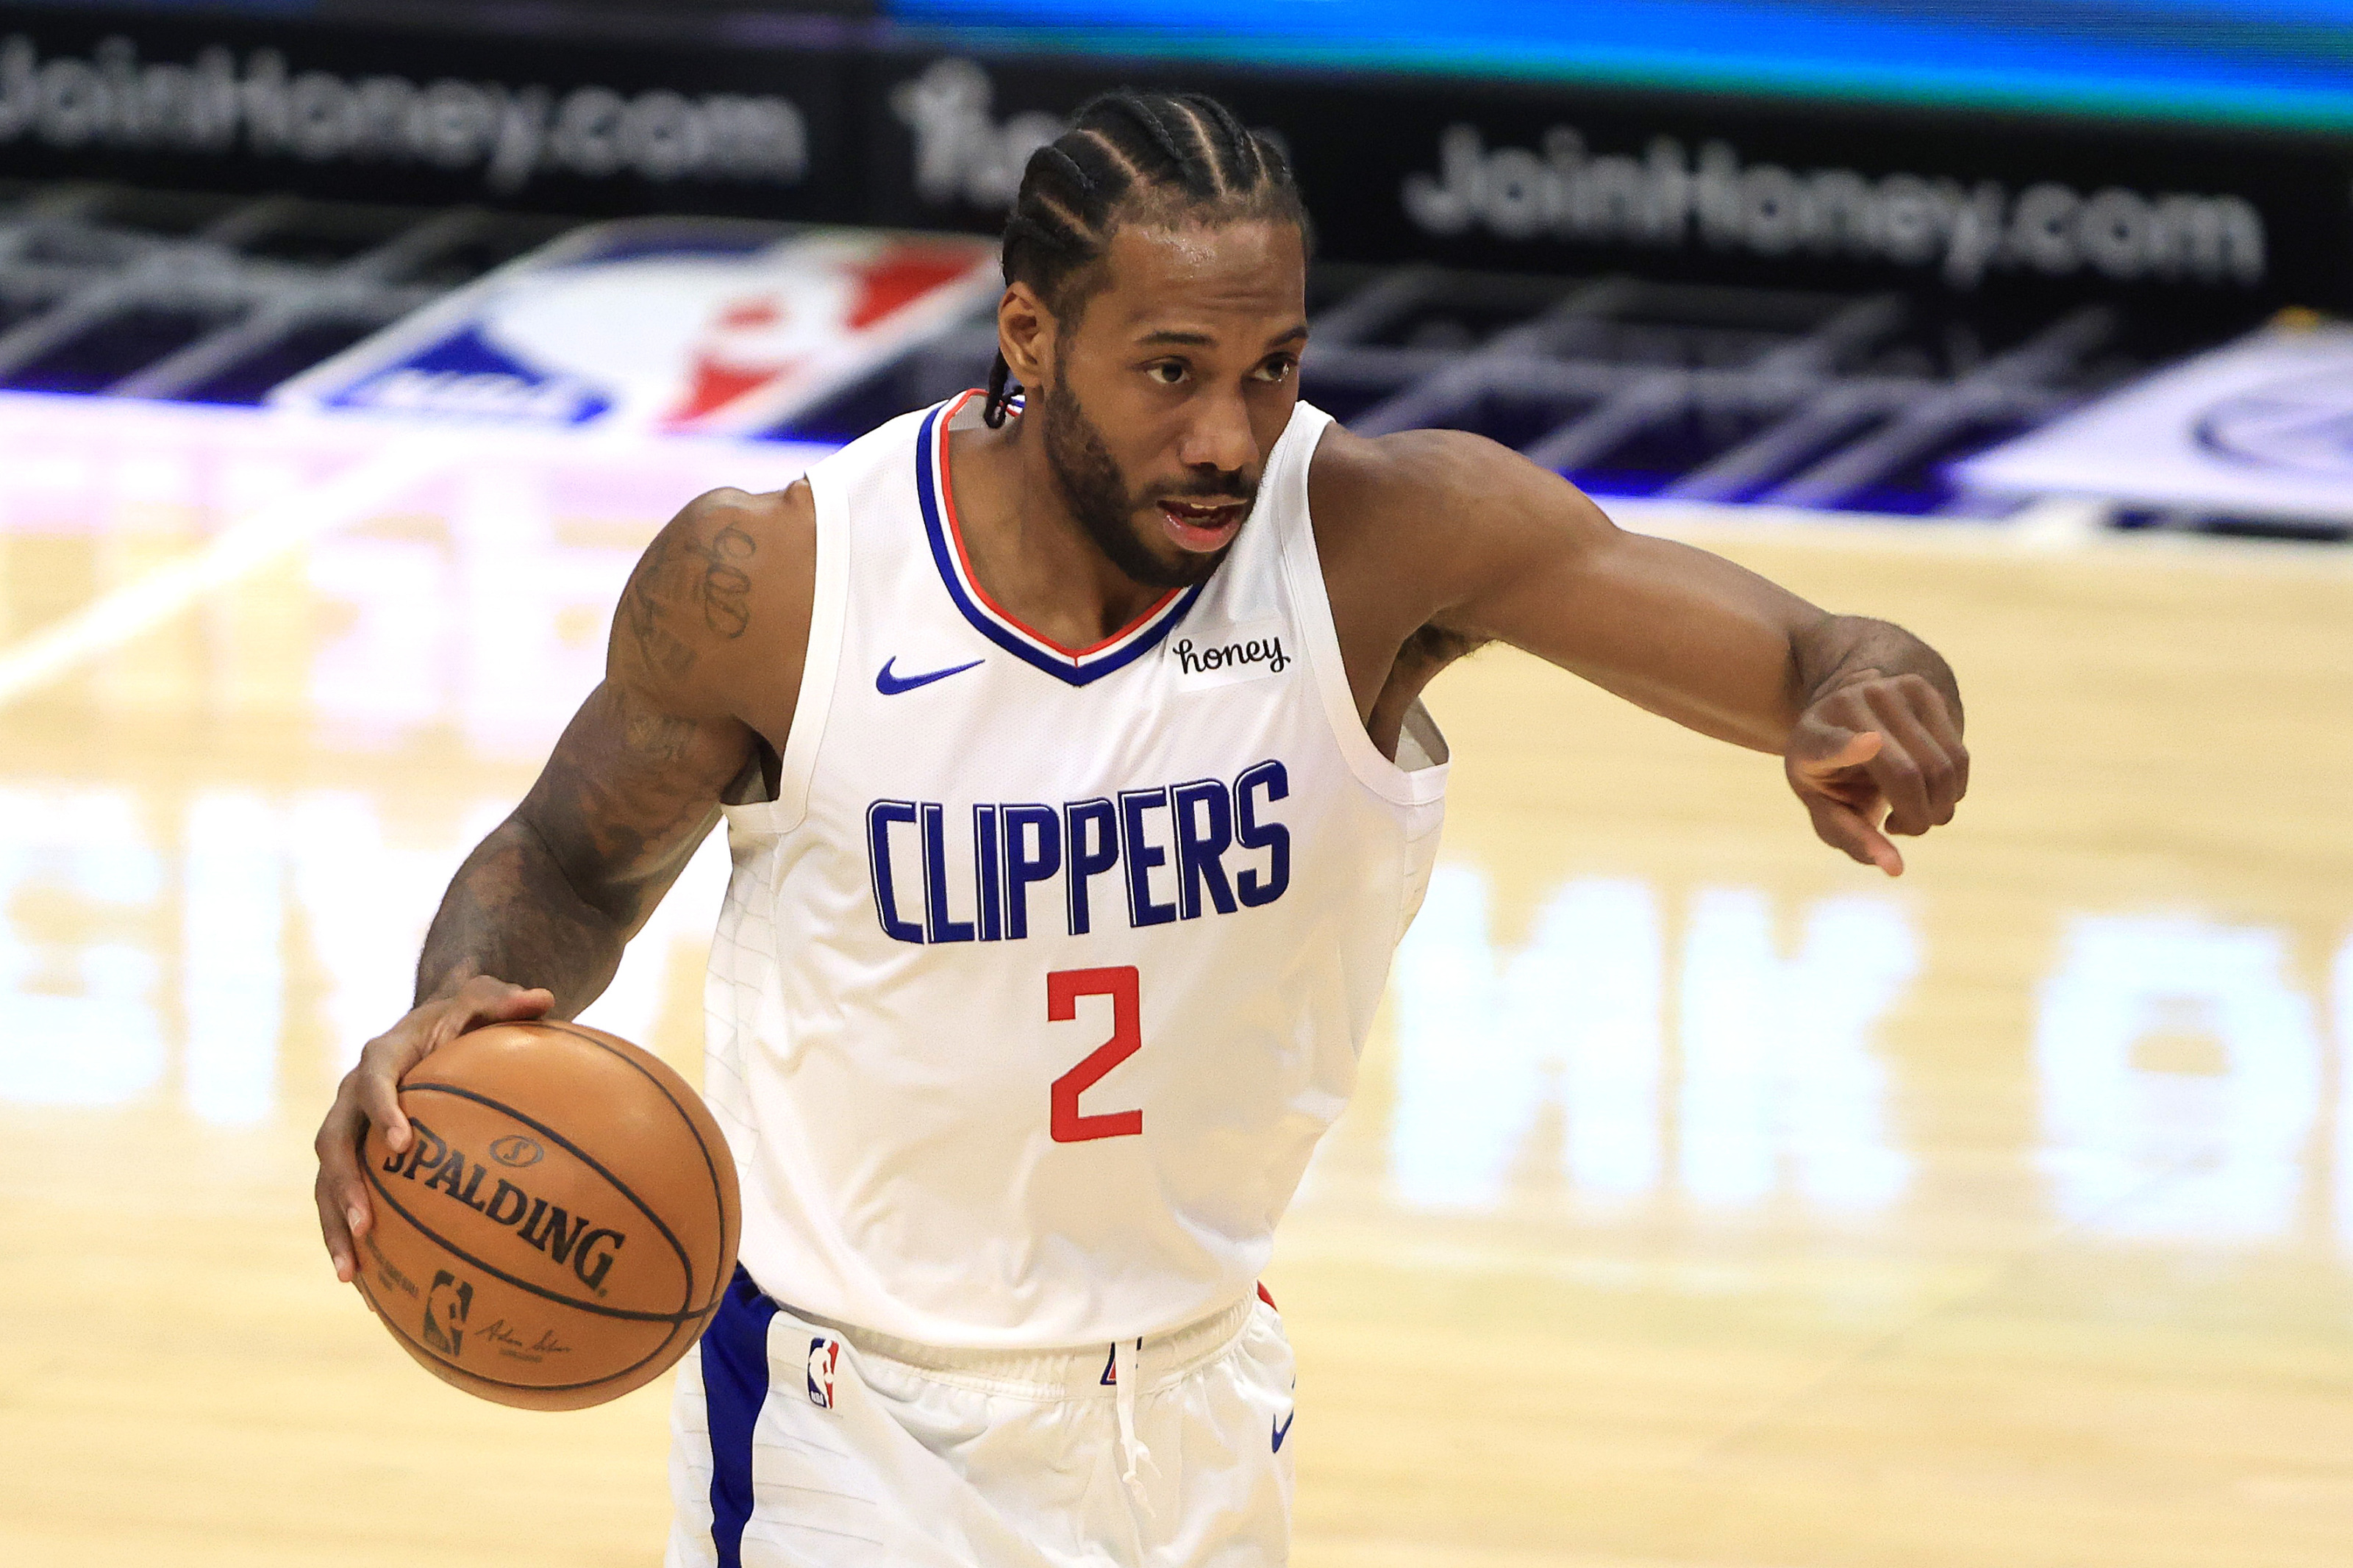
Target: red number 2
{"x": 1063, "y": 989}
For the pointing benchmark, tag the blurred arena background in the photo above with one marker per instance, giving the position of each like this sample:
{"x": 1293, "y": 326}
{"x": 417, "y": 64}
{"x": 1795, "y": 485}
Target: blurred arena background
{"x": 1708, "y": 1203}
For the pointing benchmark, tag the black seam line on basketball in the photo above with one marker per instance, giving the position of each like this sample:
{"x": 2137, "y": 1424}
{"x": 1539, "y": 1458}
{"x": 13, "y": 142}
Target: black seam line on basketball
{"x": 710, "y": 1169}
{"x": 463, "y": 1370}
{"x": 718, "y": 1196}
{"x": 685, "y": 1263}
{"x": 493, "y": 1269}
{"x": 407, "y": 1338}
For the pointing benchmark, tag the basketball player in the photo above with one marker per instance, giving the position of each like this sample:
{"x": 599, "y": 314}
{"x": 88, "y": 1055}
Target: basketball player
{"x": 1079, "y": 789}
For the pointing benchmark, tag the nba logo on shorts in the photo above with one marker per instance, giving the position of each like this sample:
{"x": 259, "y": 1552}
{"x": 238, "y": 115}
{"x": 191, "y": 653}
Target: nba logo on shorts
{"x": 824, "y": 1354}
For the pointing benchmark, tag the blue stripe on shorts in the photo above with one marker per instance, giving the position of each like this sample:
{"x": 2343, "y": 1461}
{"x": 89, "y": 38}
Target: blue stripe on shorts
{"x": 734, "y": 1386}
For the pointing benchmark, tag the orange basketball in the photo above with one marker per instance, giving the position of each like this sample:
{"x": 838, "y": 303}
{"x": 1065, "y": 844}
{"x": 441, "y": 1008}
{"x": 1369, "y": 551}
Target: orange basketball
{"x": 562, "y": 1224}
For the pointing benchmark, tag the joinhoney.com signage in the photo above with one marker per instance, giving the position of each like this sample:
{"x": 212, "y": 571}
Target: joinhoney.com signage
{"x": 1529, "y": 179}
{"x": 341, "y": 112}
{"x": 222, "y": 102}
{"x": 1672, "y": 199}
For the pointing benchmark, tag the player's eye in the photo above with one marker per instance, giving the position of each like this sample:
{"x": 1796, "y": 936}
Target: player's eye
{"x": 1277, "y": 370}
{"x": 1166, "y": 372}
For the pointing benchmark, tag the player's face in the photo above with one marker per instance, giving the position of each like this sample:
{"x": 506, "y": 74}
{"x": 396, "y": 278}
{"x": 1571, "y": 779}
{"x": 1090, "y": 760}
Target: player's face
{"x": 1172, "y": 387}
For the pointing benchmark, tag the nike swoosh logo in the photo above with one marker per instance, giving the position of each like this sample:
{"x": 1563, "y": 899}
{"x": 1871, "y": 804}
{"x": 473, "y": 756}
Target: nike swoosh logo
{"x": 1284, "y": 1431}
{"x": 890, "y": 685}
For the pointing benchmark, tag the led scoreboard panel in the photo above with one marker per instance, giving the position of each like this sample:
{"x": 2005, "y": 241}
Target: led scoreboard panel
{"x": 2196, "y": 152}
{"x": 2268, "y": 62}
{"x": 1998, "y": 157}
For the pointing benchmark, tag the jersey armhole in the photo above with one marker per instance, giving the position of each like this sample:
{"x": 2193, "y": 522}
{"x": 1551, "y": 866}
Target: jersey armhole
{"x": 828, "y": 609}
{"x": 1303, "y": 570}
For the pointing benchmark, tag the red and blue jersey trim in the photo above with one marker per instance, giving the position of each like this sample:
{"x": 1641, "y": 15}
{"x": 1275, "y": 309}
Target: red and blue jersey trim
{"x": 1076, "y": 666}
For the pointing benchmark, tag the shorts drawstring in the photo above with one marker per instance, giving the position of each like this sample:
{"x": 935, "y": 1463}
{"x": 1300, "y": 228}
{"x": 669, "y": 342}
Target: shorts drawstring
{"x": 1131, "y": 1451}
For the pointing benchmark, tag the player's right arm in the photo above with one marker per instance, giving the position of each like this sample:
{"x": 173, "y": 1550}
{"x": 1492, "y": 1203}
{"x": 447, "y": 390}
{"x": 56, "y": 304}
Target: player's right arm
{"x": 702, "y": 669}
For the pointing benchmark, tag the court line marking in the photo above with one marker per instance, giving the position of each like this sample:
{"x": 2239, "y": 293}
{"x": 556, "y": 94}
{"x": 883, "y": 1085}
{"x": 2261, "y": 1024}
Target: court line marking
{"x": 275, "y": 527}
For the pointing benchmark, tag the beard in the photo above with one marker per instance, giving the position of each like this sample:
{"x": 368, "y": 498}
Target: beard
{"x": 1097, "y": 494}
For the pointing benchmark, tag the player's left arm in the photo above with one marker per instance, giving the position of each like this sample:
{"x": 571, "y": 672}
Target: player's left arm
{"x": 1866, "y": 716}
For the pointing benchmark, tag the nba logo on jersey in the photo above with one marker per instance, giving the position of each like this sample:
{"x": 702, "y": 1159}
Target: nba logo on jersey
{"x": 824, "y": 1355}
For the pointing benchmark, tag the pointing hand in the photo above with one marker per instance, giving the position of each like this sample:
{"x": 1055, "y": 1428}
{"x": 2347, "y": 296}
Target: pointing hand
{"x": 1879, "y": 755}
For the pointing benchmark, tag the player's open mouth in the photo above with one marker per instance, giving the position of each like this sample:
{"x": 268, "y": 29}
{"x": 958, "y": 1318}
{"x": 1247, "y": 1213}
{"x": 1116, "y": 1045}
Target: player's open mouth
{"x": 1202, "y": 525}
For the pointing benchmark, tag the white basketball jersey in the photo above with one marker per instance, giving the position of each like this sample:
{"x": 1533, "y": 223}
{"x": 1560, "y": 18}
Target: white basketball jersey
{"x": 1041, "y": 976}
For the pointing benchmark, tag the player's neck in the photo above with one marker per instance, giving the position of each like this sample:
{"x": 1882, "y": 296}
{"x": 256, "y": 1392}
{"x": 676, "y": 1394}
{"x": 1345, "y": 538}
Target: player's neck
{"x": 1031, "y": 554}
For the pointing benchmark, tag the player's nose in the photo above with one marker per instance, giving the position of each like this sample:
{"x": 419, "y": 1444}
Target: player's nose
{"x": 1219, "y": 435}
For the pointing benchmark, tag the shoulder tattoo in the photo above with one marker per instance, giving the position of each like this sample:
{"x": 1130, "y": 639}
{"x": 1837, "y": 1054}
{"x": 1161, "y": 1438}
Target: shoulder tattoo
{"x": 681, "y": 568}
{"x": 725, "y": 590}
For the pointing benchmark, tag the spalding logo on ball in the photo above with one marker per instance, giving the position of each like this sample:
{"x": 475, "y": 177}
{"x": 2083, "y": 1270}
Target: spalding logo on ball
{"x": 562, "y": 1223}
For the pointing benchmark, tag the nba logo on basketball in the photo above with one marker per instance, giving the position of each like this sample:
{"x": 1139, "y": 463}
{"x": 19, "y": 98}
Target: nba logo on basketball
{"x": 824, "y": 1354}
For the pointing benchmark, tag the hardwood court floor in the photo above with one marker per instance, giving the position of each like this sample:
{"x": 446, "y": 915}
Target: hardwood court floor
{"x": 1708, "y": 1203}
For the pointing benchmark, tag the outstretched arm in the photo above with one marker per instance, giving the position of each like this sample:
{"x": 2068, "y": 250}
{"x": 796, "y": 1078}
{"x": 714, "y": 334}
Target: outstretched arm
{"x": 702, "y": 665}
{"x": 1866, "y": 716}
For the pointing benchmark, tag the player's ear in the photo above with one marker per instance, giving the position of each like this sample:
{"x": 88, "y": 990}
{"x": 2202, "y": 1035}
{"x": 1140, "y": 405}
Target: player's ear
{"x": 1025, "y": 335}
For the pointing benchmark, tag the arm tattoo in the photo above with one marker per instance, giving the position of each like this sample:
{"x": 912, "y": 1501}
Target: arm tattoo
{"x": 510, "y": 913}
{"x": 659, "y": 738}
{"x": 726, "y": 590}
{"x": 556, "y": 911}
{"x": 642, "y": 611}
{"x": 550, "y": 897}
{"x": 677, "y": 567}
{"x": 554, "y": 894}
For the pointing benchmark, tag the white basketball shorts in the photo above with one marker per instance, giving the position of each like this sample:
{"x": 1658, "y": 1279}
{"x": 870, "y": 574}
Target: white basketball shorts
{"x": 796, "y": 1443}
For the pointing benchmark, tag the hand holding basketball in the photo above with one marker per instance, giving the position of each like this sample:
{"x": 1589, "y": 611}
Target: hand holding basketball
{"x": 370, "y": 1095}
{"x": 560, "y": 1223}
{"x": 1879, "y": 755}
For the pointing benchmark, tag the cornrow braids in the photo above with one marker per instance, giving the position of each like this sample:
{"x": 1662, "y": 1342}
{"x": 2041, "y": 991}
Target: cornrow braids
{"x": 1232, "y": 128}
{"x": 1130, "y": 154}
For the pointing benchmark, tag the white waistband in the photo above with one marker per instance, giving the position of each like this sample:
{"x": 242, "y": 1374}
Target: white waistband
{"x": 1080, "y": 1371}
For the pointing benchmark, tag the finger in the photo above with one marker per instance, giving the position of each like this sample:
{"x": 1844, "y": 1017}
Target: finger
{"x": 1925, "y": 699}
{"x": 1842, "y": 827}
{"x": 484, "y": 1000}
{"x": 519, "y": 1004}
{"x": 1898, "y": 776}
{"x": 1823, "y": 748}
{"x": 1928, "y": 757}
{"x": 1936, "y": 715}
{"x": 335, "y": 1230}
{"x": 376, "y": 1083}
{"x": 345, "y": 1214}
